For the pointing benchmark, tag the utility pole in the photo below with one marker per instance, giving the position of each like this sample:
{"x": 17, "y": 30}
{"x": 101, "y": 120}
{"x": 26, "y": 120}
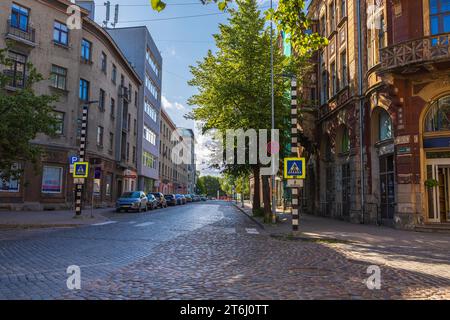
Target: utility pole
{"x": 79, "y": 183}
{"x": 274, "y": 205}
{"x": 294, "y": 150}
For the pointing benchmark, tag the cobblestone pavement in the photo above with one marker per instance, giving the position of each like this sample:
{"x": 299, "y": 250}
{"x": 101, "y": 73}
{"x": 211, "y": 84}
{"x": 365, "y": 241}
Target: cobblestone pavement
{"x": 212, "y": 251}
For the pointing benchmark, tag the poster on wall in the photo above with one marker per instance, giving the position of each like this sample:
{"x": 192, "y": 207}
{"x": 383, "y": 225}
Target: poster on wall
{"x": 10, "y": 185}
{"x": 52, "y": 180}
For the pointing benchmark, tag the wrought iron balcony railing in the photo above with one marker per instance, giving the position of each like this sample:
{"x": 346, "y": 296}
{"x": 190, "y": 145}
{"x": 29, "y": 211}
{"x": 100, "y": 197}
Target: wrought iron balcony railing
{"x": 29, "y": 35}
{"x": 435, "y": 48}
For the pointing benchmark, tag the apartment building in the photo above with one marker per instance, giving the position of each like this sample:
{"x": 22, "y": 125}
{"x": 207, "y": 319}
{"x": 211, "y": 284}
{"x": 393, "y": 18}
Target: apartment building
{"x": 173, "y": 171}
{"x": 188, "y": 137}
{"x": 81, "y": 66}
{"x": 382, "y": 101}
{"x": 140, "y": 49}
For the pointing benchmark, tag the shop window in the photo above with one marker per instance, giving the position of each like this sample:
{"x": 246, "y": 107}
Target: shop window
{"x": 52, "y": 179}
{"x": 11, "y": 184}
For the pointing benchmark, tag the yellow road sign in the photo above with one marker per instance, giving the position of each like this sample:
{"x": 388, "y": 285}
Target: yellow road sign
{"x": 294, "y": 168}
{"x": 81, "y": 169}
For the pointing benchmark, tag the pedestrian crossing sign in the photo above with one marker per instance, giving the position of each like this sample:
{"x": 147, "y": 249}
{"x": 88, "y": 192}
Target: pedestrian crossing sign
{"x": 294, "y": 168}
{"x": 81, "y": 170}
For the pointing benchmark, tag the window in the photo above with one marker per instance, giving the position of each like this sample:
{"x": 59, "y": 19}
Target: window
{"x": 114, "y": 74}
{"x": 113, "y": 108}
{"x": 149, "y": 110}
{"x": 385, "y": 126}
{"x": 345, "y": 143}
{"x": 60, "y": 33}
{"x": 135, "y": 127}
{"x": 148, "y": 160}
{"x": 52, "y": 179}
{"x": 11, "y": 184}
{"x": 108, "y": 185}
{"x": 439, "y": 16}
{"x": 135, "y": 98}
{"x": 344, "y": 70}
{"x": 333, "y": 78}
{"x": 58, "y": 77}
{"x": 86, "y": 50}
{"x": 134, "y": 154}
{"x": 149, "y": 84}
{"x": 152, "y": 62}
{"x": 438, "y": 116}
{"x": 100, "y": 136}
{"x": 104, "y": 62}
{"x": 19, "y": 17}
{"x": 323, "y": 26}
{"x": 16, "y": 72}
{"x": 324, "y": 93}
{"x": 343, "y": 8}
{"x": 332, "y": 15}
{"x": 149, "y": 135}
{"x": 59, "y": 127}
{"x": 128, "y": 151}
{"x": 375, "y": 34}
{"x": 111, "y": 141}
{"x": 84, "y": 90}
{"x": 101, "y": 101}
{"x": 129, "y": 122}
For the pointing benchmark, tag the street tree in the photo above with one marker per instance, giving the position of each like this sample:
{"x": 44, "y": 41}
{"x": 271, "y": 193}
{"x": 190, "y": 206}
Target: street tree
{"x": 211, "y": 185}
{"x": 23, "y": 114}
{"x": 234, "y": 84}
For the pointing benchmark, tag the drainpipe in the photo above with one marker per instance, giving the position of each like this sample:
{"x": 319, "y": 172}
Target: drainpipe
{"x": 361, "y": 107}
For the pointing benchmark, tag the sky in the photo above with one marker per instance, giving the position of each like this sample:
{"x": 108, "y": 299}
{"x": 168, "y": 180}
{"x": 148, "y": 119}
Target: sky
{"x": 182, "y": 42}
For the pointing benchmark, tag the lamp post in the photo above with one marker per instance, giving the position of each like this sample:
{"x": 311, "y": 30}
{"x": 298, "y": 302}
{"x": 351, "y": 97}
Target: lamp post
{"x": 79, "y": 183}
{"x": 274, "y": 205}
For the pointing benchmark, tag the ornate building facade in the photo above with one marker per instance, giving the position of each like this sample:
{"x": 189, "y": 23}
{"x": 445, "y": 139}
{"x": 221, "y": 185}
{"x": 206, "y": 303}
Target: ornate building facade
{"x": 383, "y": 101}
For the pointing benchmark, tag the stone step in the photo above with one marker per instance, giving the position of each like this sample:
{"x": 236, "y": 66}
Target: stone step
{"x": 434, "y": 227}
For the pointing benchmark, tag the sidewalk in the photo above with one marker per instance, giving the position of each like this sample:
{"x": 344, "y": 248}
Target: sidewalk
{"x": 50, "y": 219}
{"x": 314, "y": 227}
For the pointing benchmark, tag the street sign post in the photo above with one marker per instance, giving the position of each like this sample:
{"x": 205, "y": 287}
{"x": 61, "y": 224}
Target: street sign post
{"x": 294, "y": 168}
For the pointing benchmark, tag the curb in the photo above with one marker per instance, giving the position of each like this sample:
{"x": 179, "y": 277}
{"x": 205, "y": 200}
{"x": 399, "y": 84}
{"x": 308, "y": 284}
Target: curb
{"x": 250, "y": 217}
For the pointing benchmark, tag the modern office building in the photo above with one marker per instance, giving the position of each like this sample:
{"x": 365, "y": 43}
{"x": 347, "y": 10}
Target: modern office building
{"x": 140, "y": 49}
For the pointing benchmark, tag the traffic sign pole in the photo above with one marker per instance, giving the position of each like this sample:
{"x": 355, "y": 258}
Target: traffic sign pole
{"x": 294, "y": 151}
{"x": 79, "y": 186}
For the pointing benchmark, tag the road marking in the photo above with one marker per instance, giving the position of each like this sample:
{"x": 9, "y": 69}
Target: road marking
{"x": 251, "y": 231}
{"x": 104, "y": 223}
{"x": 144, "y": 224}
{"x": 229, "y": 230}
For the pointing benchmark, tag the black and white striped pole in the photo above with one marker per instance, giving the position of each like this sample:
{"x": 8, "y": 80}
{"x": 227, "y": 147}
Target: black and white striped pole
{"x": 294, "y": 152}
{"x": 79, "y": 183}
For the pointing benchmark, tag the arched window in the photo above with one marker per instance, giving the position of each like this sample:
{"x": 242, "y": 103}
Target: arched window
{"x": 345, "y": 143}
{"x": 384, "y": 126}
{"x": 438, "y": 116}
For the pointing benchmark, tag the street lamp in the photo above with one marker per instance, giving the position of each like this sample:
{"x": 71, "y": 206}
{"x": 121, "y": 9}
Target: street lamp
{"x": 274, "y": 206}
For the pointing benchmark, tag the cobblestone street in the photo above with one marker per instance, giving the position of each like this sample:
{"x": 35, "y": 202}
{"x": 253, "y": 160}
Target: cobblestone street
{"x": 213, "y": 251}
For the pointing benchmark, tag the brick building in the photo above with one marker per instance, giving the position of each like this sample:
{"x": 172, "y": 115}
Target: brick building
{"x": 81, "y": 65}
{"x": 384, "y": 77}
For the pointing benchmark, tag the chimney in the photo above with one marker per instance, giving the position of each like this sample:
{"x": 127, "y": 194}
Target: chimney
{"x": 89, "y": 5}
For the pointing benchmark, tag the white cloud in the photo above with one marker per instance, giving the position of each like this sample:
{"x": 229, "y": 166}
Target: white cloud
{"x": 167, "y": 105}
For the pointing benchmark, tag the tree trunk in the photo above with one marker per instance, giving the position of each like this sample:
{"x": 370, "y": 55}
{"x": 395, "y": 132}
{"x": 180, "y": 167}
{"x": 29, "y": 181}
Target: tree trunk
{"x": 256, "y": 190}
{"x": 266, "y": 199}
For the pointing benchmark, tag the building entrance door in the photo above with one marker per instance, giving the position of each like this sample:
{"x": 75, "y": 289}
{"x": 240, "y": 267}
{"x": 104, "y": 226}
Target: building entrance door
{"x": 439, "y": 196}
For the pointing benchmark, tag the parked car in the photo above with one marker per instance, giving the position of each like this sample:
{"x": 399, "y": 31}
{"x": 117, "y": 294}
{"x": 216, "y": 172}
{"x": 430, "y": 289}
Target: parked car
{"x": 203, "y": 198}
{"x": 162, "y": 203}
{"x": 180, "y": 199}
{"x": 152, "y": 203}
{"x": 196, "y": 198}
{"x": 134, "y": 200}
{"x": 188, "y": 197}
{"x": 171, "y": 199}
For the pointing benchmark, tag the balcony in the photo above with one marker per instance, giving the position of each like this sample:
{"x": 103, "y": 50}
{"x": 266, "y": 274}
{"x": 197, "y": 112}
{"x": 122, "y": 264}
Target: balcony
{"x": 27, "y": 37}
{"x": 424, "y": 54}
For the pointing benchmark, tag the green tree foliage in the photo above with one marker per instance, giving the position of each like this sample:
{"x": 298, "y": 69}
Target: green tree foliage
{"x": 234, "y": 84}
{"x": 23, "y": 114}
{"x": 200, "y": 186}
{"x": 211, "y": 185}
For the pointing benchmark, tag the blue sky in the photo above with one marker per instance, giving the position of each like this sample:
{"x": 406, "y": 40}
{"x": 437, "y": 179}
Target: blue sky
{"x": 181, "y": 41}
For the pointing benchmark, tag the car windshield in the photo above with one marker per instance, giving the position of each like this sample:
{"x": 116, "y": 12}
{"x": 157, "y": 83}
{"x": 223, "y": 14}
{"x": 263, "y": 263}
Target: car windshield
{"x": 129, "y": 195}
{"x": 168, "y": 197}
{"x": 156, "y": 195}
